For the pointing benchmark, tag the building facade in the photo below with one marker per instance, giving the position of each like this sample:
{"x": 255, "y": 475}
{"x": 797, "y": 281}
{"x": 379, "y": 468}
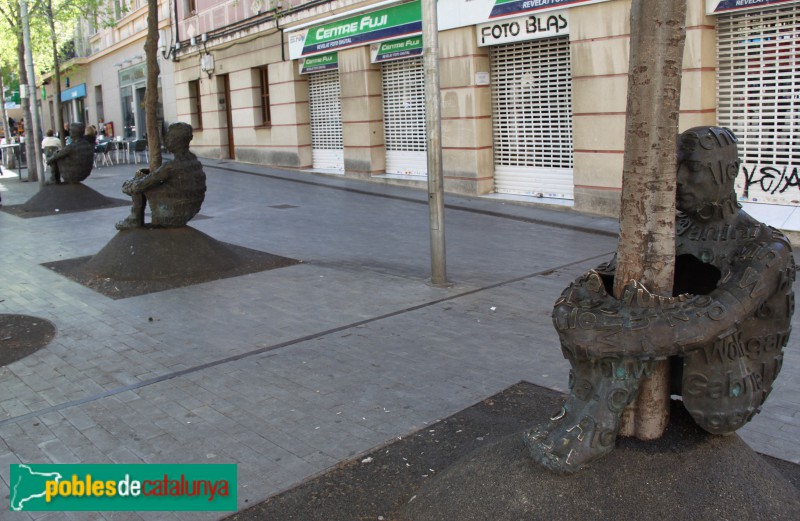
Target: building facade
{"x": 533, "y": 91}
{"x": 104, "y": 85}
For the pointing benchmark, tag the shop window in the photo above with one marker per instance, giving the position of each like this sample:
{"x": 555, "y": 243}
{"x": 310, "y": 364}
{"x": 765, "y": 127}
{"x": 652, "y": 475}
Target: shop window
{"x": 98, "y": 101}
{"x": 195, "y": 106}
{"x": 263, "y": 75}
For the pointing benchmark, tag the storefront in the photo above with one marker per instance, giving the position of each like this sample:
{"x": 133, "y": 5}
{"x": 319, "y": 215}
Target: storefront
{"x": 403, "y": 100}
{"x": 528, "y": 73}
{"x": 73, "y": 104}
{"x": 377, "y": 26}
{"x": 325, "y": 111}
{"x": 132, "y": 88}
{"x": 132, "y": 83}
{"x": 758, "y": 78}
{"x": 531, "y": 83}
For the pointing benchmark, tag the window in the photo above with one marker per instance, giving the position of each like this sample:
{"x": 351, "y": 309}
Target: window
{"x": 189, "y": 8}
{"x": 195, "y": 105}
{"x": 266, "y": 118}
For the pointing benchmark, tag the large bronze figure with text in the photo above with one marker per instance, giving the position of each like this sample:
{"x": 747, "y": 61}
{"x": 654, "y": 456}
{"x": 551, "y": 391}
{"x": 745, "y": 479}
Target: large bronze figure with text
{"x": 724, "y": 329}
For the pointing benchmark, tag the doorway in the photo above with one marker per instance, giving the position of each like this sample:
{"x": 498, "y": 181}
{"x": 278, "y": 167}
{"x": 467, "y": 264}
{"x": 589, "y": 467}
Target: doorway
{"x": 226, "y": 82}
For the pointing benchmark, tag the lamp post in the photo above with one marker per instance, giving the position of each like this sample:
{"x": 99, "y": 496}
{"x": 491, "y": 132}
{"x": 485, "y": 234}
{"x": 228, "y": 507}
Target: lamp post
{"x": 433, "y": 127}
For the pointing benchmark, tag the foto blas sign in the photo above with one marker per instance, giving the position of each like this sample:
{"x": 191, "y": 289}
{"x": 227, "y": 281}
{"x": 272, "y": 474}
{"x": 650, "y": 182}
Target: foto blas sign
{"x": 532, "y": 27}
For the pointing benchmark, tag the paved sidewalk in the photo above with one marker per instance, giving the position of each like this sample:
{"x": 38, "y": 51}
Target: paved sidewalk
{"x": 290, "y": 371}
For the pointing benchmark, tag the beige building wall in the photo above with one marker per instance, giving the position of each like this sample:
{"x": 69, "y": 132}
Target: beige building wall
{"x": 286, "y": 141}
{"x": 600, "y": 37}
{"x": 362, "y": 113}
{"x": 467, "y": 157}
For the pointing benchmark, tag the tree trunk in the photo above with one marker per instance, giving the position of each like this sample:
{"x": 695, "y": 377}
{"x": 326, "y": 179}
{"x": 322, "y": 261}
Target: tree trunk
{"x": 646, "y": 250}
{"x": 151, "y": 94}
{"x": 57, "y": 78}
{"x": 25, "y": 104}
{"x": 33, "y": 134}
{"x": 6, "y": 126}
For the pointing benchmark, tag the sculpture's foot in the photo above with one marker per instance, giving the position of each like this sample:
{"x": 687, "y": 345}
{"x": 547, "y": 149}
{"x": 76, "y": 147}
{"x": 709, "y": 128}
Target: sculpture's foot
{"x": 570, "y": 441}
{"x": 587, "y": 425}
{"x": 52, "y": 181}
{"x": 128, "y": 223}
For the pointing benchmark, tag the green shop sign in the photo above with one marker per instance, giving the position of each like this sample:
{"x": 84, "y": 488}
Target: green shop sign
{"x": 394, "y": 22}
{"x": 396, "y": 49}
{"x": 322, "y": 62}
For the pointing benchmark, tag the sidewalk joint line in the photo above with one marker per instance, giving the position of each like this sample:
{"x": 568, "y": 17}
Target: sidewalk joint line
{"x": 274, "y": 347}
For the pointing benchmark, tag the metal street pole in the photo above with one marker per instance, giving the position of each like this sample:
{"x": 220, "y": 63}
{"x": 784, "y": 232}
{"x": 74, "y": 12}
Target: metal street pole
{"x": 433, "y": 126}
{"x": 34, "y": 132}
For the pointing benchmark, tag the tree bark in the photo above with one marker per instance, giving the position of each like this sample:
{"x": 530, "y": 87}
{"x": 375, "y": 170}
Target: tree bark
{"x": 646, "y": 249}
{"x": 33, "y": 133}
{"x": 25, "y": 104}
{"x": 6, "y": 126}
{"x": 57, "y": 75}
{"x": 151, "y": 94}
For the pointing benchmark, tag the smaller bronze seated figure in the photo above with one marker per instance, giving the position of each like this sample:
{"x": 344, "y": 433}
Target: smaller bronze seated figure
{"x": 175, "y": 191}
{"x": 74, "y": 162}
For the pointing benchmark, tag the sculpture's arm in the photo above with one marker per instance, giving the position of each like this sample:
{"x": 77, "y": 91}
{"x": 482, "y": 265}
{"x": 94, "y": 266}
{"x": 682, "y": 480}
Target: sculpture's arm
{"x": 141, "y": 184}
{"x": 592, "y": 324}
{"x": 63, "y": 152}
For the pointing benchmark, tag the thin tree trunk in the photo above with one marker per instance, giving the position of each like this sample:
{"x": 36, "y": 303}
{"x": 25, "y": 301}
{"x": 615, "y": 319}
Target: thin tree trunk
{"x": 25, "y": 104}
{"x": 34, "y": 134}
{"x": 6, "y": 126}
{"x": 646, "y": 250}
{"x": 57, "y": 78}
{"x": 151, "y": 94}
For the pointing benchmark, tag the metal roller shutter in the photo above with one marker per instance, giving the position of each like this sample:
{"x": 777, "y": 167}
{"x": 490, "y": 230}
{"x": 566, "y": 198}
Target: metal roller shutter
{"x": 325, "y": 107}
{"x": 404, "y": 116}
{"x": 758, "y": 97}
{"x": 532, "y": 117}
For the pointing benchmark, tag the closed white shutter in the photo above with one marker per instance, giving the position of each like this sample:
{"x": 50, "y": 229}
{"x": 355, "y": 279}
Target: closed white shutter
{"x": 758, "y": 97}
{"x": 404, "y": 116}
{"x": 325, "y": 107}
{"x": 532, "y": 117}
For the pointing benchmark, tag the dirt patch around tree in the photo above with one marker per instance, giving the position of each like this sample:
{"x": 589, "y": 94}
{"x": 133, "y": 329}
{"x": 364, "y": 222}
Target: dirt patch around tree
{"x": 376, "y": 486}
{"x": 63, "y": 198}
{"x": 21, "y": 335}
{"x": 147, "y": 260}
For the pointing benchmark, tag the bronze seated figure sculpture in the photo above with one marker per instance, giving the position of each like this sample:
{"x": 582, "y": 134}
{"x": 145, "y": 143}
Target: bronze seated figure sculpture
{"x": 175, "y": 191}
{"x": 724, "y": 329}
{"x": 74, "y": 162}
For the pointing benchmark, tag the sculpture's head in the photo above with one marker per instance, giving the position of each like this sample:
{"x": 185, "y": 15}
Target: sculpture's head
{"x": 178, "y": 137}
{"x": 708, "y": 161}
{"x": 76, "y": 130}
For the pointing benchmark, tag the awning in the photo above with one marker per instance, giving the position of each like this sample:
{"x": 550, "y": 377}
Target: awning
{"x": 79, "y": 91}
